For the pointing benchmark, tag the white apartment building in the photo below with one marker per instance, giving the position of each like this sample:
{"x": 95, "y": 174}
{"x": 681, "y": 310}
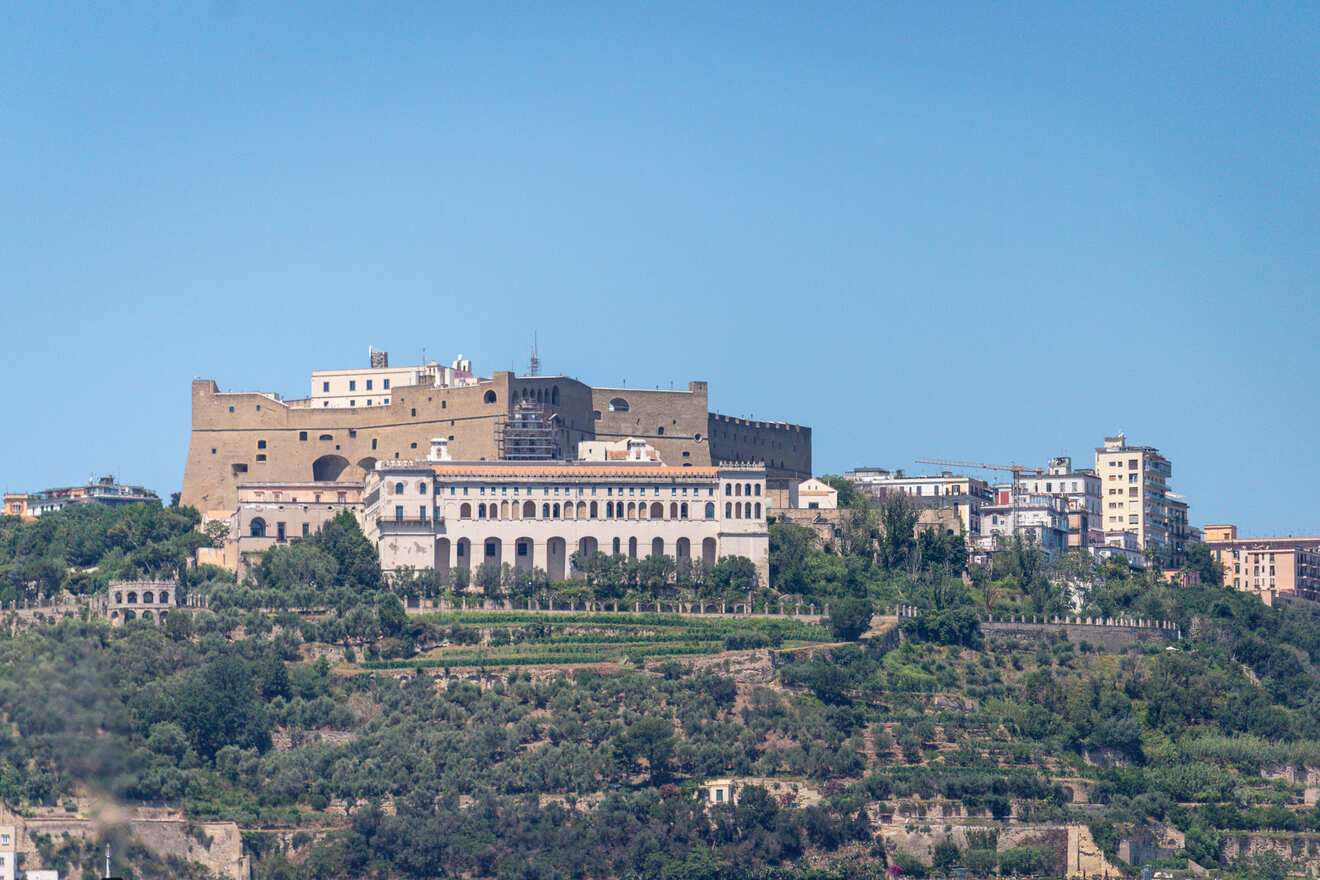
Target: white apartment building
{"x": 1136, "y": 498}
{"x": 441, "y": 514}
{"x": 1080, "y": 492}
{"x": 1041, "y": 517}
{"x": 964, "y": 495}
{"x": 373, "y": 386}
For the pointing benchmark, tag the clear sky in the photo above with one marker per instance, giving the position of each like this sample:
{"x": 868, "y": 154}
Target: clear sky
{"x": 995, "y": 232}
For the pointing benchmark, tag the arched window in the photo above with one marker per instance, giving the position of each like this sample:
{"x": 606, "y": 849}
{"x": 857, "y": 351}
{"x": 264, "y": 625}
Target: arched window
{"x": 673, "y": 510}
{"x": 164, "y": 597}
{"x": 728, "y": 489}
{"x": 748, "y": 490}
{"x": 582, "y": 510}
{"x": 657, "y": 510}
{"x": 481, "y": 511}
{"x": 504, "y": 509}
{"x": 325, "y": 437}
{"x": 594, "y": 510}
{"x": 617, "y": 546}
{"x": 258, "y": 528}
{"x": 710, "y": 510}
{"x": 728, "y": 510}
{"x": 683, "y": 510}
{"x": 556, "y": 511}
{"x": 554, "y": 396}
{"x": 660, "y": 431}
{"x": 398, "y": 488}
{"x": 737, "y": 490}
{"x": 756, "y": 490}
{"x": 758, "y": 510}
{"x": 529, "y": 509}
{"x": 609, "y": 510}
{"x": 148, "y": 597}
{"x": 545, "y": 511}
{"x": 421, "y": 488}
{"x": 132, "y": 598}
{"x": 618, "y": 404}
{"x": 490, "y": 397}
{"x": 119, "y": 598}
{"x": 465, "y": 511}
{"x": 747, "y": 510}
{"x": 632, "y": 510}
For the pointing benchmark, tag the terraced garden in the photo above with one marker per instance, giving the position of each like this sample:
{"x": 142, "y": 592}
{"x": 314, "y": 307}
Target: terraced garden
{"x": 512, "y": 638}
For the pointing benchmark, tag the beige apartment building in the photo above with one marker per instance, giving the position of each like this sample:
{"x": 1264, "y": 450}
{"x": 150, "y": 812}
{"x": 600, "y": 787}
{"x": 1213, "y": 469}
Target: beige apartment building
{"x": 1135, "y": 497}
{"x": 438, "y": 513}
{"x": 1269, "y": 567}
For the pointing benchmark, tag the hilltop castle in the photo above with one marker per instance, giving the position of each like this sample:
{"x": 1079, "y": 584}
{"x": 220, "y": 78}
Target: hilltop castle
{"x": 354, "y": 418}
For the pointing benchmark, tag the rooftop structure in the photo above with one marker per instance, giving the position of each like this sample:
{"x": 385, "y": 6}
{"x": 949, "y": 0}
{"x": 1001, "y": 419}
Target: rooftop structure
{"x": 965, "y": 495}
{"x": 1136, "y": 498}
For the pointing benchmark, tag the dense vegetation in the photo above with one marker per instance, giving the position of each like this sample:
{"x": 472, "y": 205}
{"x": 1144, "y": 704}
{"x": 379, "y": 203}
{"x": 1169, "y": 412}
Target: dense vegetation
{"x": 521, "y": 745}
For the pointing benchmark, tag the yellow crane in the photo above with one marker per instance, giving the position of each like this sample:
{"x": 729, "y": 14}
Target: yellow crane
{"x": 1016, "y": 469}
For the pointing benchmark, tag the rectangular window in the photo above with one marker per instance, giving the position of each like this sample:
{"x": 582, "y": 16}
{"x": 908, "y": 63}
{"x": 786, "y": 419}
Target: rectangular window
{"x": 279, "y": 531}
{"x": 342, "y": 497}
{"x": 368, "y": 384}
{"x": 306, "y": 530}
{"x": 352, "y": 385}
{"x": 421, "y": 513}
{"x": 386, "y": 384}
{"x": 261, "y": 444}
{"x": 325, "y": 386}
{"x": 302, "y": 435}
{"x": 398, "y": 513}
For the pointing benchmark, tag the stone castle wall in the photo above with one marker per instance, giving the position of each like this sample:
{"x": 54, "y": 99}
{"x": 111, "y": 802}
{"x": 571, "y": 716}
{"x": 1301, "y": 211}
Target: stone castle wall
{"x": 253, "y": 437}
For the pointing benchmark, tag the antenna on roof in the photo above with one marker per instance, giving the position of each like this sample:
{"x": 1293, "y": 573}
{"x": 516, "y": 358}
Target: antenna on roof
{"x": 535, "y": 366}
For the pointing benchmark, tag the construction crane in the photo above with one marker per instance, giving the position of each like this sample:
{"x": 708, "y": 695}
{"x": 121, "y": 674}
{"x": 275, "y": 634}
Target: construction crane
{"x": 1017, "y": 469}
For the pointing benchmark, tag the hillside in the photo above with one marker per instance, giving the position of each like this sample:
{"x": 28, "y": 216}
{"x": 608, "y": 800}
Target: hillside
{"x": 352, "y": 736}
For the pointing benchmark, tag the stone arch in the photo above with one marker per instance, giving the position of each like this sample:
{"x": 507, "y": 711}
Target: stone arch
{"x": 570, "y": 512}
{"x": 594, "y": 511}
{"x": 257, "y": 528}
{"x": 489, "y": 397}
{"x": 632, "y": 548}
{"x": 367, "y": 465}
{"x": 673, "y": 510}
{"x": 522, "y": 553}
{"x": 132, "y": 597}
{"x": 529, "y": 510}
{"x": 708, "y": 551}
{"x": 146, "y": 614}
{"x": 465, "y": 511}
{"x": 329, "y": 468}
{"x": 442, "y": 557}
{"x": 710, "y": 510}
{"x": 555, "y": 558}
{"x": 682, "y": 549}
{"x": 463, "y": 554}
{"x": 504, "y": 510}
{"x": 148, "y": 598}
{"x": 129, "y": 614}
{"x": 164, "y": 597}
{"x": 119, "y": 597}
{"x": 632, "y": 510}
{"x": 618, "y": 404}
{"x": 492, "y": 550}
{"x": 582, "y": 510}
{"x": 587, "y": 546}
{"x": 657, "y": 510}
{"x": 657, "y": 546}
{"x": 617, "y": 546}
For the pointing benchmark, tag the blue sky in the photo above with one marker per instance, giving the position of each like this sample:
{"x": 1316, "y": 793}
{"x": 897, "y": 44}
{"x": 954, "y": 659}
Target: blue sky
{"x": 996, "y": 232}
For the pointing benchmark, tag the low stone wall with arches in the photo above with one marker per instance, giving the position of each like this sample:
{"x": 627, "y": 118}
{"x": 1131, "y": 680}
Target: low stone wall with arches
{"x": 144, "y": 600}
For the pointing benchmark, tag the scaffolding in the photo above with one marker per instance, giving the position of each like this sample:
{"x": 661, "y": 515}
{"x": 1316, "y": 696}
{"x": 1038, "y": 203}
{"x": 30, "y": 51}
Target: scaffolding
{"x": 528, "y": 434}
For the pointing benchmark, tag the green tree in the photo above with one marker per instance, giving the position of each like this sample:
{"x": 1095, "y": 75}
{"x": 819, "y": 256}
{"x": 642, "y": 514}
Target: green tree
{"x": 850, "y": 617}
{"x": 358, "y": 563}
{"x": 790, "y": 549}
{"x": 648, "y": 739}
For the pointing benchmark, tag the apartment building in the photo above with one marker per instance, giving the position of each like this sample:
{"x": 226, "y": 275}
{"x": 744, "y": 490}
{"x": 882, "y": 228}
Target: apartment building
{"x": 1269, "y": 567}
{"x": 961, "y": 494}
{"x": 271, "y": 513}
{"x": 1079, "y": 491}
{"x": 29, "y": 505}
{"x": 1135, "y": 497}
{"x": 1041, "y": 517}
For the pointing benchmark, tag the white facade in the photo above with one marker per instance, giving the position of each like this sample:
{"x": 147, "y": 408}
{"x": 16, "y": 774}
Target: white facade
{"x": 814, "y": 494}
{"x": 1043, "y": 518}
{"x": 8, "y": 851}
{"x": 965, "y": 495}
{"x": 375, "y": 385}
{"x": 443, "y": 514}
{"x": 1135, "y": 495}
